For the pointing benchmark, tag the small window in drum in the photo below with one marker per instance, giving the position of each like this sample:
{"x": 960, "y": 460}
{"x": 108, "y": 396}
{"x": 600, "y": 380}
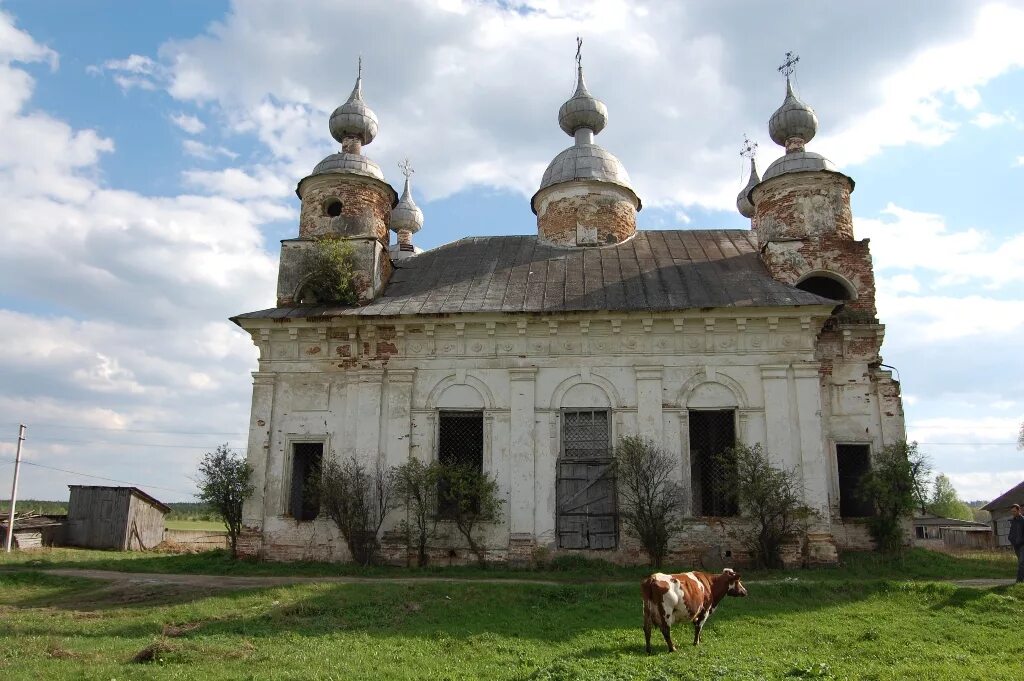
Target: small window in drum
{"x": 333, "y": 208}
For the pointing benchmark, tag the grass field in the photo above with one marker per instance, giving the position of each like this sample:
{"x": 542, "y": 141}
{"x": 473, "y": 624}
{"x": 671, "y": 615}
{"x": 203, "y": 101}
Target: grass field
{"x": 214, "y": 525}
{"x": 62, "y": 628}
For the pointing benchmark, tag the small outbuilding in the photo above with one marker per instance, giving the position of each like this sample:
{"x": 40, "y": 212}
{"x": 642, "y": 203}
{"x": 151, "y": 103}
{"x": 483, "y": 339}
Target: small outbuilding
{"x": 1001, "y": 510}
{"x": 32, "y": 531}
{"x": 936, "y": 532}
{"x": 123, "y": 518}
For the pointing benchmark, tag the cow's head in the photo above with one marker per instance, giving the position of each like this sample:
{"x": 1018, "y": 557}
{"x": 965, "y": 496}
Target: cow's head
{"x": 736, "y": 587}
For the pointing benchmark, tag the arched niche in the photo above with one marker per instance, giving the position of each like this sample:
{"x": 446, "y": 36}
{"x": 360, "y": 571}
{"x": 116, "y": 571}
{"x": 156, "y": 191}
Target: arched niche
{"x": 470, "y": 393}
{"x": 593, "y": 388}
{"x": 712, "y": 392}
{"x": 827, "y": 285}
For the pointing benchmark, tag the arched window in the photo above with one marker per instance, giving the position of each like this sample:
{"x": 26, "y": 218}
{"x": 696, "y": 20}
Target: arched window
{"x": 827, "y": 286}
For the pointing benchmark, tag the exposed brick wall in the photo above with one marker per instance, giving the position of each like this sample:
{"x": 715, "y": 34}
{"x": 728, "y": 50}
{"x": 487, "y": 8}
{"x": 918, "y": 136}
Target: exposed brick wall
{"x": 365, "y": 208}
{"x": 613, "y": 218}
{"x": 801, "y": 205}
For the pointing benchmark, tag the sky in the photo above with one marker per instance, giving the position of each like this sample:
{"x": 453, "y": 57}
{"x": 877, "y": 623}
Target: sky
{"x": 149, "y": 154}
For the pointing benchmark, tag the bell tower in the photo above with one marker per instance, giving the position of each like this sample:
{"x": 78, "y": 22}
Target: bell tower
{"x": 345, "y": 198}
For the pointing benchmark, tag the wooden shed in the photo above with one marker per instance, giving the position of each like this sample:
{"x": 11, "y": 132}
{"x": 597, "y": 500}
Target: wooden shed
{"x": 1000, "y": 508}
{"x": 124, "y": 518}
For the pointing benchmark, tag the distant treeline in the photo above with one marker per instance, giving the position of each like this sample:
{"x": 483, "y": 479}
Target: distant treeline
{"x": 184, "y": 510}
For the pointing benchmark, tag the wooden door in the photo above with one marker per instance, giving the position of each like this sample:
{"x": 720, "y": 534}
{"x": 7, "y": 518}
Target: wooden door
{"x": 586, "y": 513}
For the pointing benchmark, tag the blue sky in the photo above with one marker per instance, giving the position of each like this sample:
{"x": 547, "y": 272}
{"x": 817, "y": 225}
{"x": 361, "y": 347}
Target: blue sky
{"x": 149, "y": 153}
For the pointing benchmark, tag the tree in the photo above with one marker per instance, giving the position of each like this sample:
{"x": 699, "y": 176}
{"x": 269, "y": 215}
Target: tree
{"x": 469, "y": 498}
{"x": 224, "y": 484}
{"x": 329, "y": 267}
{"x": 416, "y": 482}
{"x": 771, "y": 498}
{"x": 889, "y": 486}
{"x": 945, "y": 502}
{"x": 650, "y": 501}
{"x": 357, "y": 500}
{"x": 920, "y": 471}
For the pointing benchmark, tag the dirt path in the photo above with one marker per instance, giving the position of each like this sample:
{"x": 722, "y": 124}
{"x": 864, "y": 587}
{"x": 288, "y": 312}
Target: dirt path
{"x": 239, "y": 582}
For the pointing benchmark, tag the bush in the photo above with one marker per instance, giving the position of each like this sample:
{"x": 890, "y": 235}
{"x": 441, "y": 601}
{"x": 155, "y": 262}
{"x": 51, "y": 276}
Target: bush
{"x": 357, "y": 501}
{"x": 772, "y": 498}
{"x": 224, "y": 484}
{"x": 416, "y": 482}
{"x": 890, "y": 485}
{"x": 650, "y": 501}
{"x": 330, "y": 270}
{"x": 469, "y": 497}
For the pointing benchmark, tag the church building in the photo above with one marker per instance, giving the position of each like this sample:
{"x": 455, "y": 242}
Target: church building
{"x": 530, "y": 356}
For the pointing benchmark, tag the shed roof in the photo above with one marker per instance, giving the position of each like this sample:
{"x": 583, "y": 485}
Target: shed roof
{"x": 1014, "y": 495}
{"x": 654, "y": 271}
{"x": 133, "y": 490}
{"x": 939, "y": 521}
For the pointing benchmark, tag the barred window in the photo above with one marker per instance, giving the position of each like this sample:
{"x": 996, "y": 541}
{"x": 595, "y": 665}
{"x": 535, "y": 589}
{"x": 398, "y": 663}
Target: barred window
{"x": 585, "y": 434}
{"x": 307, "y": 458}
{"x": 854, "y": 462}
{"x": 712, "y": 437}
{"x": 460, "y": 442}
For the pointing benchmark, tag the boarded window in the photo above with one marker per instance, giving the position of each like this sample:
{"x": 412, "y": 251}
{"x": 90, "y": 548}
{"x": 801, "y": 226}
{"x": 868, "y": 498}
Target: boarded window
{"x": 586, "y": 517}
{"x": 712, "y": 464}
{"x": 854, "y": 462}
{"x": 460, "y": 442}
{"x": 307, "y": 458}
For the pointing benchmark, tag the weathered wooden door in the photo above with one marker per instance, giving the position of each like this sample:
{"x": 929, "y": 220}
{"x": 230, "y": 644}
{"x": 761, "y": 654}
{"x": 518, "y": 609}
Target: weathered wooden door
{"x": 586, "y": 516}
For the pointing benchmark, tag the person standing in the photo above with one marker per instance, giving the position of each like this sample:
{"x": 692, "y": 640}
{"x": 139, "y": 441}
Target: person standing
{"x": 1016, "y": 538}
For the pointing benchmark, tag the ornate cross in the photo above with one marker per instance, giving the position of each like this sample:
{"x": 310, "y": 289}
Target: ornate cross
{"x": 360, "y": 73}
{"x": 579, "y": 51}
{"x": 406, "y": 167}
{"x": 749, "y": 149}
{"x": 789, "y": 66}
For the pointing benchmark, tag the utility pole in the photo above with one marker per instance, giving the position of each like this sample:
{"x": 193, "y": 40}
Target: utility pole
{"x": 14, "y": 487}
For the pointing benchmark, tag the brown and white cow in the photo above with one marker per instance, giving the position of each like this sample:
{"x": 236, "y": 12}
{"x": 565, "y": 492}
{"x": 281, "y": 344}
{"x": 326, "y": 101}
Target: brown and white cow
{"x": 690, "y": 595}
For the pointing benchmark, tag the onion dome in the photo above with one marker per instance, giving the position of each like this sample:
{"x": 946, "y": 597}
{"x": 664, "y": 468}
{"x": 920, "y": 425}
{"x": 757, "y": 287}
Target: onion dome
{"x": 582, "y": 117}
{"x": 354, "y": 118}
{"x": 582, "y": 110}
{"x": 743, "y": 203}
{"x": 406, "y": 216}
{"x": 351, "y": 164}
{"x": 794, "y": 123}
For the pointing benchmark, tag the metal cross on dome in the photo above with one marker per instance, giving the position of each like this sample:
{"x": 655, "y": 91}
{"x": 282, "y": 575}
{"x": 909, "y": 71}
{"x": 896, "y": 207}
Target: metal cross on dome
{"x": 749, "y": 149}
{"x": 789, "y": 66}
{"x": 579, "y": 51}
{"x": 406, "y": 167}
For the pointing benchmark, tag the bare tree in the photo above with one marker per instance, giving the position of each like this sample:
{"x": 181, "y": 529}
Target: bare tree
{"x": 650, "y": 500}
{"x": 357, "y": 500}
{"x": 224, "y": 484}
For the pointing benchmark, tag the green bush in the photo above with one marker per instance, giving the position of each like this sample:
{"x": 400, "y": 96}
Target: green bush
{"x": 650, "y": 500}
{"x": 330, "y": 271}
{"x": 890, "y": 485}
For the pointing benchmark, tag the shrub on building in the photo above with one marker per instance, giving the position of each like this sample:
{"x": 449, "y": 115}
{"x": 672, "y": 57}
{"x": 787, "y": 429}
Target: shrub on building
{"x": 330, "y": 271}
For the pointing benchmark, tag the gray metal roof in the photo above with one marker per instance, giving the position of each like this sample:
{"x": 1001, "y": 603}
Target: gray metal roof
{"x": 582, "y": 110}
{"x": 655, "y": 271}
{"x": 354, "y": 117}
{"x": 585, "y": 162}
{"x": 1014, "y": 495}
{"x": 798, "y": 162}
{"x": 353, "y": 164}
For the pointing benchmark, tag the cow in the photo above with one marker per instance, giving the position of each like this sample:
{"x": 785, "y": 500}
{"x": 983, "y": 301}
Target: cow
{"x": 693, "y": 595}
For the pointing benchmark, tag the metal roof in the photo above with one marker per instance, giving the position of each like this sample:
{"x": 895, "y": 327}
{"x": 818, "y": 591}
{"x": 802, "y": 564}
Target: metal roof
{"x": 131, "y": 490}
{"x": 656, "y": 271}
{"x": 1014, "y": 495}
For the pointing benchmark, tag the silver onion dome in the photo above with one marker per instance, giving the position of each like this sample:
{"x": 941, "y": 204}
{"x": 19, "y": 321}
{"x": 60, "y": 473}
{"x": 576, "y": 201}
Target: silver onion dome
{"x": 351, "y": 164}
{"x": 406, "y": 216}
{"x": 793, "y": 119}
{"x": 582, "y": 110}
{"x": 799, "y": 162}
{"x": 743, "y": 203}
{"x": 354, "y": 118}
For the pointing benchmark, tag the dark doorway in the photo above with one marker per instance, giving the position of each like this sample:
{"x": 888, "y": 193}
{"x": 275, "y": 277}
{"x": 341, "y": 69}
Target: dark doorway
{"x": 854, "y": 462}
{"x": 307, "y": 458}
{"x": 586, "y": 516}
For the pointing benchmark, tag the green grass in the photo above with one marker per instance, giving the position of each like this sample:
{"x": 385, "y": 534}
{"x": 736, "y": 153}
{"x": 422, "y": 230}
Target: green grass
{"x": 60, "y": 628}
{"x": 214, "y": 525}
{"x": 915, "y": 564}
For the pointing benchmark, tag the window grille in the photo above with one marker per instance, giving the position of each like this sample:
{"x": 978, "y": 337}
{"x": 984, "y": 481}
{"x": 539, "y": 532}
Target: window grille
{"x": 854, "y": 462}
{"x": 307, "y": 459}
{"x": 460, "y": 442}
{"x": 585, "y": 435}
{"x": 712, "y": 437}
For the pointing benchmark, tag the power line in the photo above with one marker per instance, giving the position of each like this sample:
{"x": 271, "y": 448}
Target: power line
{"x": 100, "y": 477}
{"x": 131, "y": 430}
{"x": 126, "y": 444}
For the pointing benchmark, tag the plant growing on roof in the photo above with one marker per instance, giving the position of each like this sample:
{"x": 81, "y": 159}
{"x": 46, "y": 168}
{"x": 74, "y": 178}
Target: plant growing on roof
{"x": 330, "y": 271}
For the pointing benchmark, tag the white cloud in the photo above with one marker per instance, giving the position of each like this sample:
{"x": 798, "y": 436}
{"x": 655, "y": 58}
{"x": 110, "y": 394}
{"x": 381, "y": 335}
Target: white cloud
{"x": 188, "y": 123}
{"x": 238, "y": 184}
{"x": 985, "y": 485}
{"x": 17, "y": 45}
{"x": 986, "y": 119}
{"x": 134, "y": 71}
{"x": 205, "y": 151}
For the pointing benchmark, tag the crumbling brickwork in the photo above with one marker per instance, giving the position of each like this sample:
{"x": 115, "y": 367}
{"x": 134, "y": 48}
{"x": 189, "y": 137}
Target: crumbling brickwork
{"x": 365, "y": 207}
{"x": 801, "y": 205}
{"x": 591, "y": 219}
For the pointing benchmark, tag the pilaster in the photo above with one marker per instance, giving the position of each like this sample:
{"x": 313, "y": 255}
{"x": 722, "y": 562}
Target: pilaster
{"x": 522, "y": 402}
